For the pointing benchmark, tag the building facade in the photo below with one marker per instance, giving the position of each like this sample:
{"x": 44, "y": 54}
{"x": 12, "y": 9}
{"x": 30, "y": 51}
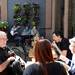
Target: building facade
{"x": 54, "y": 15}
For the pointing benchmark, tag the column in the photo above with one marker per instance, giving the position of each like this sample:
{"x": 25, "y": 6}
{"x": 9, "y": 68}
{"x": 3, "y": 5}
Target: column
{"x": 48, "y": 21}
{"x": 3, "y": 10}
{"x": 53, "y": 15}
{"x": 66, "y": 13}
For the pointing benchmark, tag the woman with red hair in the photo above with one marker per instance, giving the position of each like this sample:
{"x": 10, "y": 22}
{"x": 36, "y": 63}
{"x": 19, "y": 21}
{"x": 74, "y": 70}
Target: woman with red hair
{"x": 44, "y": 62}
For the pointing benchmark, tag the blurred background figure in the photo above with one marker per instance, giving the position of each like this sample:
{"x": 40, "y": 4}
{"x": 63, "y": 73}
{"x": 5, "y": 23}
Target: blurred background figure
{"x": 16, "y": 34}
{"x": 55, "y": 54}
{"x": 62, "y": 43}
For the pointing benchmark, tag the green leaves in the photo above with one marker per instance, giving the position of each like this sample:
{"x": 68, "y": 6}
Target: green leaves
{"x": 17, "y": 8}
{"x": 3, "y": 24}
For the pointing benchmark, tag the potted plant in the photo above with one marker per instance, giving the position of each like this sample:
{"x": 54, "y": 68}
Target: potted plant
{"x": 27, "y": 8}
{"x": 3, "y": 25}
{"x": 18, "y": 20}
{"x": 17, "y": 8}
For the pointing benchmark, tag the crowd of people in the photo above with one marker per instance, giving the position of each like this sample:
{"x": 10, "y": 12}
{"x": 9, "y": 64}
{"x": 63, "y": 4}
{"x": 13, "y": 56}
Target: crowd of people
{"x": 50, "y": 58}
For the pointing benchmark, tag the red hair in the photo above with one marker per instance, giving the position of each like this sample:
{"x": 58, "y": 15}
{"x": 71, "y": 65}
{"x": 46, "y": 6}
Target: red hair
{"x": 43, "y": 53}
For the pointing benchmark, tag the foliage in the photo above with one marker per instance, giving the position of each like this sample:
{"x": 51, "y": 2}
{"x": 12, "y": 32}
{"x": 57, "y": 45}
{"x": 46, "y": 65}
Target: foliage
{"x": 27, "y": 9}
{"x": 18, "y": 20}
{"x": 17, "y": 8}
{"x": 3, "y": 24}
{"x": 27, "y": 14}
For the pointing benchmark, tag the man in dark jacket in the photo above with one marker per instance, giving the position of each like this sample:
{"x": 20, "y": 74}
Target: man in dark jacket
{"x": 62, "y": 43}
{"x": 5, "y": 60}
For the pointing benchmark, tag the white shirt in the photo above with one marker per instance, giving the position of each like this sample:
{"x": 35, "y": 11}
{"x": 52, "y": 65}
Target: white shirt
{"x": 72, "y": 65}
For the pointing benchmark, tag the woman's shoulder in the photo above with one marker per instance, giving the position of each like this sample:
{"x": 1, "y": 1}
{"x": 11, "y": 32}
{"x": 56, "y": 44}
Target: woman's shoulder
{"x": 32, "y": 69}
{"x": 33, "y": 66}
{"x": 56, "y": 68}
{"x": 53, "y": 68}
{"x": 55, "y": 64}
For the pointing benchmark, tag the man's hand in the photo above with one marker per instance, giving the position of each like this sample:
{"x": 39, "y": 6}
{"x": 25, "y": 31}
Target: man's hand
{"x": 10, "y": 59}
{"x": 63, "y": 58}
{"x": 6, "y": 63}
